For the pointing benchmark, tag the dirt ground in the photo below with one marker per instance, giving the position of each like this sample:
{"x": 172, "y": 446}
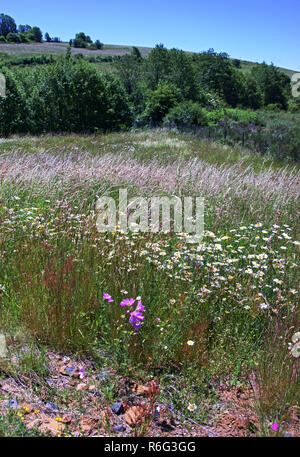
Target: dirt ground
{"x": 72, "y": 400}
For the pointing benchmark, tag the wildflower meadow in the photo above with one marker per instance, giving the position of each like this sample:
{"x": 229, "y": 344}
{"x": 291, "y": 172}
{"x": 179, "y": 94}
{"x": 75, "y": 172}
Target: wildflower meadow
{"x": 189, "y": 323}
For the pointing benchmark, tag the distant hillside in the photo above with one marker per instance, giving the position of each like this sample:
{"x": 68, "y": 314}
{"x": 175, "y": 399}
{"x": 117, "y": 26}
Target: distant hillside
{"x": 18, "y": 49}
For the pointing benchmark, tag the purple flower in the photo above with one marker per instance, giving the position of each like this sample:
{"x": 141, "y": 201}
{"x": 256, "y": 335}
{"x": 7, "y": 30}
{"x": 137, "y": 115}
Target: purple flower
{"x": 140, "y": 307}
{"x": 275, "y": 426}
{"x": 127, "y": 302}
{"x": 108, "y": 298}
{"x": 135, "y": 318}
{"x": 81, "y": 373}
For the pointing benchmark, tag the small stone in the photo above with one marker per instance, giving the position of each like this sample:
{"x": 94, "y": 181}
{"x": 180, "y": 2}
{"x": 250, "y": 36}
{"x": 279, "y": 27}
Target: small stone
{"x": 52, "y": 406}
{"x": 13, "y": 403}
{"x": 71, "y": 370}
{"x": 81, "y": 386}
{"x": 117, "y": 408}
{"x": 119, "y": 428}
{"x": 156, "y": 413}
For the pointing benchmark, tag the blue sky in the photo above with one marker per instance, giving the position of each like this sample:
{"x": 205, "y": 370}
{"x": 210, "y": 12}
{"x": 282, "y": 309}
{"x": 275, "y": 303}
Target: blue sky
{"x": 253, "y": 30}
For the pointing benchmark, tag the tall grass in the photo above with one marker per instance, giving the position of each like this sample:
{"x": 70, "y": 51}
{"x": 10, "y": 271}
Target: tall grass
{"x": 208, "y": 307}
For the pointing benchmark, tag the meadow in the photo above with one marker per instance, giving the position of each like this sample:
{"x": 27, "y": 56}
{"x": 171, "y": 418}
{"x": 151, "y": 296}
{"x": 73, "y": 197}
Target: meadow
{"x": 202, "y": 335}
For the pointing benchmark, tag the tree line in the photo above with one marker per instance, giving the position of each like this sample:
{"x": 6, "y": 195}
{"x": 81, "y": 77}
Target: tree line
{"x": 168, "y": 87}
{"x": 10, "y": 33}
{"x": 166, "y": 83}
{"x": 167, "y": 78}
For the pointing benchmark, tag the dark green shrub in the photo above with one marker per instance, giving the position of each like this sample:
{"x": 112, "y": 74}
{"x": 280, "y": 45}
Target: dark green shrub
{"x": 98, "y": 44}
{"x": 13, "y": 110}
{"x": 160, "y": 101}
{"x": 66, "y": 96}
{"x": 209, "y": 100}
{"x": 82, "y": 40}
{"x": 13, "y": 38}
{"x": 251, "y": 95}
{"x": 182, "y": 74}
{"x": 243, "y": 117}
{"x": 77, "y": 43}
{"x": 78, "y": 56}
{"x": 23, "y": 38}
{"x": 185, "y": 115}
{"x": 294, "y": 105}
{"x": 7, "y": 25}
{"x": 236, "y": 63}
{"x": 215, "y": 116}
{"x": 216, "y": 74}
{"x": 276, "y": 107}
{"x": 274, "y": 85}
{"x": 135, "y": 52}
{"x": 35, "y": 34}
